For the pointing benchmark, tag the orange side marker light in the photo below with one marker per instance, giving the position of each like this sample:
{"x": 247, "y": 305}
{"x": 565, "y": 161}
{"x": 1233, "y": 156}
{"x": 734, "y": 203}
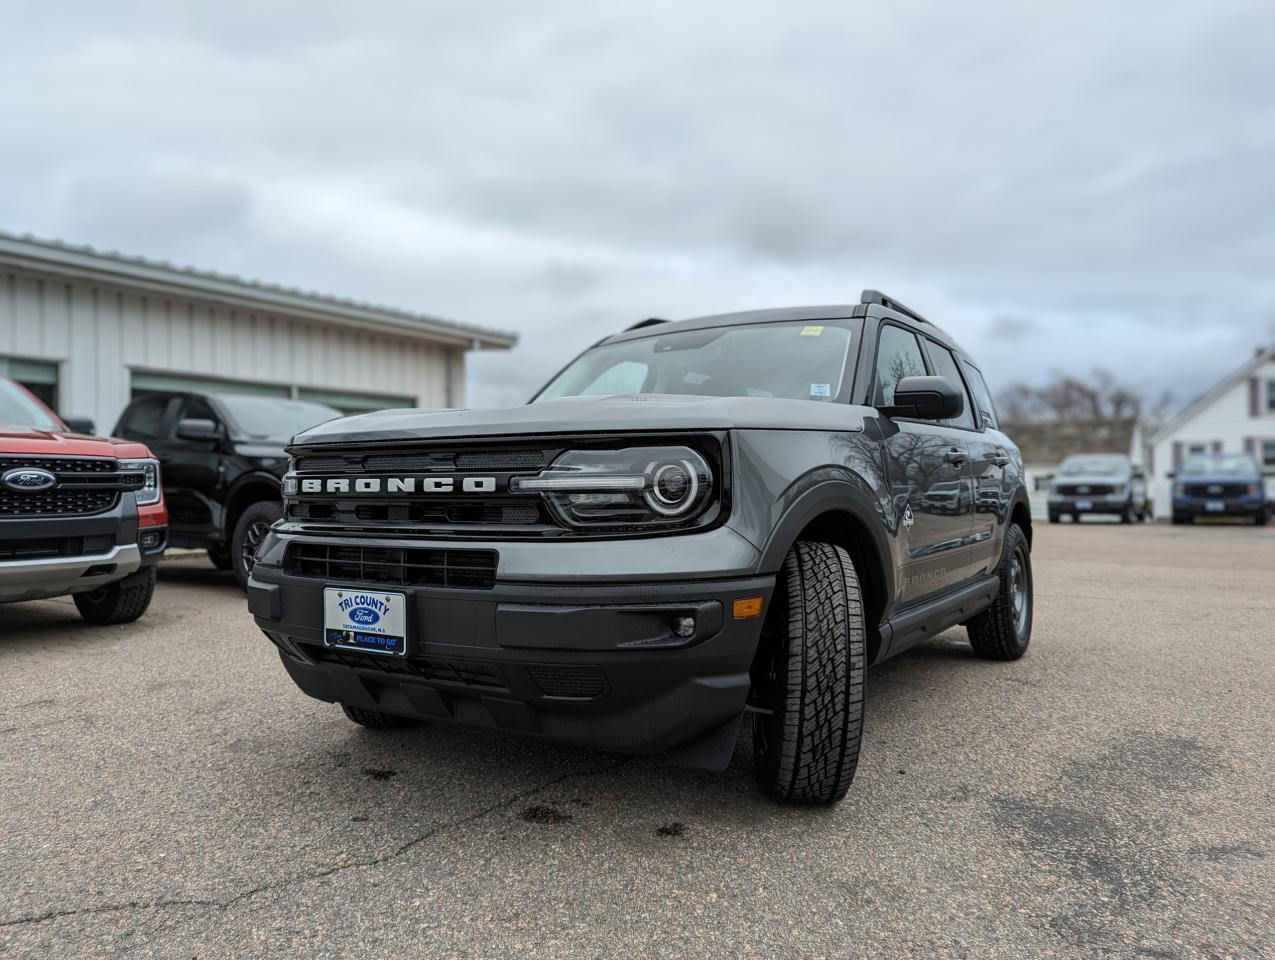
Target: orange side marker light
{"x": 745, "y": 608}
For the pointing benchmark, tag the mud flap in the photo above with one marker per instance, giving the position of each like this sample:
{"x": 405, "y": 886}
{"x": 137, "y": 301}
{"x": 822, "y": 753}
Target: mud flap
{"x": 712, "y": 751}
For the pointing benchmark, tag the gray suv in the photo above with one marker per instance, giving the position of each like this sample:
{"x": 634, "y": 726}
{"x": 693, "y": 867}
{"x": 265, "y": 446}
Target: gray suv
{"x": 692, "y": 524}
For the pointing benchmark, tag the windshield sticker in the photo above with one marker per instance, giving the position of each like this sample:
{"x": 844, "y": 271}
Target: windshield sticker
{"x": 821, "y": 389}
{"x": 811, "y": 331}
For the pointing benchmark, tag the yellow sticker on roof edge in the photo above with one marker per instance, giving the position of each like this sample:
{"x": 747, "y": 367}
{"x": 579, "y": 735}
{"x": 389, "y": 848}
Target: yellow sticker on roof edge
{"x": 811, "y": 331}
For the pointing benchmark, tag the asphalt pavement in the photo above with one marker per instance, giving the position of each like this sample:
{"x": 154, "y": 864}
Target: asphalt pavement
{"x": 165, "y": 791}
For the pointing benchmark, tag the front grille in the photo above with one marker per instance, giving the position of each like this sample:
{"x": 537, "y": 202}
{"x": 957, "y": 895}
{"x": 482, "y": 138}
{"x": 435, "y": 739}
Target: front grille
{"x": 44, "y": 548}
{"x": 451, "y": 511}
{"x": 1216, "y": 489}
{"x": 1086, "y": 489}
{"x": 56, "y": 503}
{"x": 62, "y": 464}
{"x": 568, "y": 681}
{"x": 85, "y": 485}
{"x": 395, "y": 566}
{"x": 465, "y": 672}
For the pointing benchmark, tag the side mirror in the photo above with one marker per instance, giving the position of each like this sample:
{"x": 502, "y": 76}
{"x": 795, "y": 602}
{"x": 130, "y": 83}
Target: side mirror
{"x": 926, "y": 398}
{"x": 201, "y": 431}
{"x": 79, "y": 424}
{"x": 1172, "y": 474}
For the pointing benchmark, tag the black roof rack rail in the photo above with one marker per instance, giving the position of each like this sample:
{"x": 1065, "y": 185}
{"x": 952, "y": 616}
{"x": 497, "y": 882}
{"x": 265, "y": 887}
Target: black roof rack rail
{"x": 879, "y": 298}
{"x": 648, "y": 322}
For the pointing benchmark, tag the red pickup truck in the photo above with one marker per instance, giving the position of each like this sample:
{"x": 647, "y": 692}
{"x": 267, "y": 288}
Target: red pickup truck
{"x": 79, "y": 515}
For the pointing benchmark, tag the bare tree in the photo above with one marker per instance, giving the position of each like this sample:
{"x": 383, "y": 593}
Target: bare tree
{"x": 1065, "y": 397}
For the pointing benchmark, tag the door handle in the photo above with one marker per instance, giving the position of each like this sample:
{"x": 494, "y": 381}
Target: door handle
{"x": 1000, "y": 459}
{"x": 957, "y": 457}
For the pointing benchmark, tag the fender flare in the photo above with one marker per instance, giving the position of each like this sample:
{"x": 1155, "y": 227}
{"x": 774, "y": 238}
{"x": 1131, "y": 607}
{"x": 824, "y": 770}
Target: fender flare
{"x": 832, "y": 495}
{"x": 243, "y": 480}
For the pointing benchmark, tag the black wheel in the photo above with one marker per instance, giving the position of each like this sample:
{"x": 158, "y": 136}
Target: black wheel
{"x": 1003, "y": 631}
{"x": 1055, "y": 518}
{"x": 1129, "y": 514}
{"x": 1181, "y": 518}
{"x": 249, "y": 532}
{"x": 220, "y": 556}
{"x": 374, "y": 719}
{"x": 114, "y": 603}
{"x": 1263, "y": 517}
{"x": 809, "y": 675}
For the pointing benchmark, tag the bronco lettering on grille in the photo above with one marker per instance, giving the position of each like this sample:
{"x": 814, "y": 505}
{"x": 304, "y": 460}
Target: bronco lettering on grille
{"x": 407, "y": 485}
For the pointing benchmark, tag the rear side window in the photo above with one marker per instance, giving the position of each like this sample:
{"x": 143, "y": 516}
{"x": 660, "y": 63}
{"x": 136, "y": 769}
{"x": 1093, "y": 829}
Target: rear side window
{"x": 944, "y": 365}
{"x": 982, "y": 397}
{"x": 898, "y": 356}
{"x": 144, "y": 419}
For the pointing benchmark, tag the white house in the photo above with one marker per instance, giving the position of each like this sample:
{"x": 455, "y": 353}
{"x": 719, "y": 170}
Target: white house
{"x": 87, "y": 331}
{"x": 1235, "y": 416}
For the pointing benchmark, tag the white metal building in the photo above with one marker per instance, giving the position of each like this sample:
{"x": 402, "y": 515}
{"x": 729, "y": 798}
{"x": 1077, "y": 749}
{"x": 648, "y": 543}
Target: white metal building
{"x": 1237, "y": 415}
{"x": 87, "y": 331}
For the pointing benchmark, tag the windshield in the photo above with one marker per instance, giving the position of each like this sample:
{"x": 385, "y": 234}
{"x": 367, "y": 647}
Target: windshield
{"x": 17, "y": 408}
{"x": 1221, "y": 465}
{"x": 795, "y": 361}
{"x": 274, "y": 417}
{"x": 1094, "y": 467}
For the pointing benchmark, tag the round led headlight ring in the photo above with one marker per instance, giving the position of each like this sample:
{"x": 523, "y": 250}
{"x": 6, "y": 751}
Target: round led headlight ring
{"x": 674, "y": 488}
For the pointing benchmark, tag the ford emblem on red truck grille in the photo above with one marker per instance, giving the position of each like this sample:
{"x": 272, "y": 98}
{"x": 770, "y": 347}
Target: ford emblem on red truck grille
{"x": 28, "y": 480}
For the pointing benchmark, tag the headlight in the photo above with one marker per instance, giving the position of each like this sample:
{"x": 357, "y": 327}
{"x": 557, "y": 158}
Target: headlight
{"x": 149, "y": 492}
{"x": 1255, "y": 489}
{"x": 290, "y": 482}
{"x": 1179, "y": 489}
{"x": 633, "y": 487}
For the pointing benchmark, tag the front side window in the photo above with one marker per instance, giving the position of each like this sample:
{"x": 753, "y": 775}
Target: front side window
{"x": 898, "y": 356}
{"x": 19, "y": 409}
{"x": 144, "y": 419}
{"x": 793, "y": 361}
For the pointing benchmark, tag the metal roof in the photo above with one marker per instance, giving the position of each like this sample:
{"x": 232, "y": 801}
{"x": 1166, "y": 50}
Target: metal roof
{"x": 86, "y": 263}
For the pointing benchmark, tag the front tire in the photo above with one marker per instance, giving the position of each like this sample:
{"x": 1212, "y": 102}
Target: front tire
{"x": 1004, "y": 630}
{"x": 249, "y": 532}
{"x": 810, "y": 673}
{"x": 220, "y": 556}
{"x": 115, "y": 603}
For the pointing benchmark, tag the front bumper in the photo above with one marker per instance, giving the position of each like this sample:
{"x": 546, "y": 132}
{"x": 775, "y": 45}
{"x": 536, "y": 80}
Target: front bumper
{"x": 1090, "y": 505}
{"x": 103, "y": 548}
{"x": 1219, "y": 506}
{"x": 593, "y": 663}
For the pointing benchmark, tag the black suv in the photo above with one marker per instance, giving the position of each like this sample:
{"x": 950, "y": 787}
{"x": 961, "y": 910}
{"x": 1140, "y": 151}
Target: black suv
{"x": 222, "y": 457}
{"x": 692, "y": 522}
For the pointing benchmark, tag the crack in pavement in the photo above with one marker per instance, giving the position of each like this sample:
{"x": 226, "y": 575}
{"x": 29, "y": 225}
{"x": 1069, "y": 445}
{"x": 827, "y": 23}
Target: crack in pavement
{"x": 317, "y": 874}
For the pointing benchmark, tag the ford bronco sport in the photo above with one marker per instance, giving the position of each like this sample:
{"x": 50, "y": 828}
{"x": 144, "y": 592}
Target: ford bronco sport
{"x": 693, "y": 522}
{"x": 79, "y": 515}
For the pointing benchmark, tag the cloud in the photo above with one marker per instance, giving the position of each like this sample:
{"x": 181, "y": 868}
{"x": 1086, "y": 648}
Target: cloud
{"x": 563, "y": 170}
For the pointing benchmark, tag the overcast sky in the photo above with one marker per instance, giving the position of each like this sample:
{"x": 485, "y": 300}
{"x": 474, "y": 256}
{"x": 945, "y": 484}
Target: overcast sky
{"x": 1088, "y": 185}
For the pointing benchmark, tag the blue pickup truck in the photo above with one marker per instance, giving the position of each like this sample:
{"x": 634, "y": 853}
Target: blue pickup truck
{"x": 1220, "y": 485}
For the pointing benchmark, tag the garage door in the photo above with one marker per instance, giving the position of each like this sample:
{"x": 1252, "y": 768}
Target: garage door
{"x": 144, "y": 383}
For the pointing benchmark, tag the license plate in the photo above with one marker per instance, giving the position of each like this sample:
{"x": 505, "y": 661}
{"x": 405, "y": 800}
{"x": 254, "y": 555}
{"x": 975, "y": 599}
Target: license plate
{"x": 365, "y": 620}
{"x": 1215, "y": 506}
{"x": 1084, "y": 504}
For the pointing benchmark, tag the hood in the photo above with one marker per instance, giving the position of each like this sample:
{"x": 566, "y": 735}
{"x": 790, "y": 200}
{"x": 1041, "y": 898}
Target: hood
{"x": 53, "y": 443}
{"x": 643, "y": 413}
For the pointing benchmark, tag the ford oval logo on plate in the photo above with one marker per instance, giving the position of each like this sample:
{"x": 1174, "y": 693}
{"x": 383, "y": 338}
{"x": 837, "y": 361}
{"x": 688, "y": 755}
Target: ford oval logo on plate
{"x": 364, "y": 615}
{"x": 28, "y": 480}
